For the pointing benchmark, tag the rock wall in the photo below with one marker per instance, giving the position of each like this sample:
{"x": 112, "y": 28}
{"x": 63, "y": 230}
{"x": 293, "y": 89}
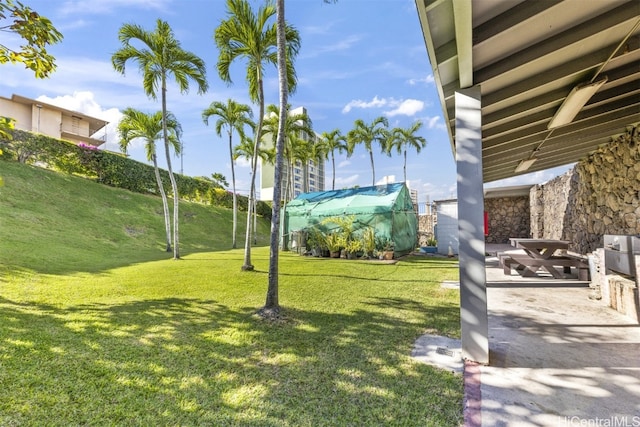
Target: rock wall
{"x": 425, "y": 228}
{"x": 508, "y": 217}
{"x": 600, "y": 195}
{"x": 549, "y": 204}
{"x": 536, "y": 211}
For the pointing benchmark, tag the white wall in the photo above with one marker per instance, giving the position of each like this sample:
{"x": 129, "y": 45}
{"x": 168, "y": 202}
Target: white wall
{"x": 447, "y": 227}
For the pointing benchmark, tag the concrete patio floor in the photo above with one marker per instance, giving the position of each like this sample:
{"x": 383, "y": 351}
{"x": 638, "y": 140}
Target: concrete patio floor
{"x": 557, "y": 358}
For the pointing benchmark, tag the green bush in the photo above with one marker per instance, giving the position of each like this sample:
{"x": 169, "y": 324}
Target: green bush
{"x": 114, "y": 169}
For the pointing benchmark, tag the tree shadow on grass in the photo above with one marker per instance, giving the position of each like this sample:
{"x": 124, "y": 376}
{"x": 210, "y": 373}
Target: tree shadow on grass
{"x": 198, "y": 362}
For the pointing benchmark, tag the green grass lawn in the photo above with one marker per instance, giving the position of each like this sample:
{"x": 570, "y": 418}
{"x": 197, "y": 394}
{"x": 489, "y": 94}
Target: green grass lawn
{"x": 139, "y": 339}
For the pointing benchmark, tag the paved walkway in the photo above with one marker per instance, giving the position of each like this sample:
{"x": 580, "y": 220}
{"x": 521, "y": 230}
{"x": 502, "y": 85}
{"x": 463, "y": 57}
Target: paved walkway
{"x": 557, "y": 358}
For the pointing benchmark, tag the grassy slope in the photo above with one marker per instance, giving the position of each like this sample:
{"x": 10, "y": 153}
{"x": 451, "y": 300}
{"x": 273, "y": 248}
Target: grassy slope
{"x": 114, "y": 333}
{"x": 55, "y": 223}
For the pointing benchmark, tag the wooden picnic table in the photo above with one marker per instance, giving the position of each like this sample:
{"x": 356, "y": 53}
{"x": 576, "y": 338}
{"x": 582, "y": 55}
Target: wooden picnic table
{"x": 539, "y": 254}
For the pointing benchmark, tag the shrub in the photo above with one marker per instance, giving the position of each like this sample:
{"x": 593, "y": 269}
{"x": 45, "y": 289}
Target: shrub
{"x": 113, "y": 169}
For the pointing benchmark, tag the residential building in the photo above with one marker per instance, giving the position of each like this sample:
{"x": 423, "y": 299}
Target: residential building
{"x": 307, "y": 176}
{"x": 36, "y": 116}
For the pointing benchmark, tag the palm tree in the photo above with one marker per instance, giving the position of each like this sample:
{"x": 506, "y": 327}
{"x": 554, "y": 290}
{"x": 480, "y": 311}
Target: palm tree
{"x": 404, "y": 138}
{"x": 233, "y": 116}
{"x": 251, "y": 37}
{"x": 245, "y": 149}
{"x": 136, "y": 124}
{"x": 285, "y": 58}
{"x": 296, "y": 130}
{"x": 333, "y": 141}
{"x": 160, "y": 57}
{"x": 220, "y": 179}
{"x": 366, "y": 135}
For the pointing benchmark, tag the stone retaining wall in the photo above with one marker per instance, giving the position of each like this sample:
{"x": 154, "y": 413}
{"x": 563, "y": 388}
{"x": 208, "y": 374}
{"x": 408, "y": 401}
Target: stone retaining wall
{"x": 600, "y": 195}
{"x": 508, "y": 217}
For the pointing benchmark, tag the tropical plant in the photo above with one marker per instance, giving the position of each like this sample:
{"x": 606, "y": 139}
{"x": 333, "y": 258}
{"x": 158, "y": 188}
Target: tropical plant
{"x": 234, "y": 117}
{"x": 36, "y": 30}
{"x": 160, "y": 57}
{"x": 148, "y": 127}
{"x": 368, "y": 239}
{"x": 352, "y": 247}
{"x": 7, "y": 124}
{"x": 316, "y": 239}
{"x": 331, "y": 142}
{"x": 384, "y": 244}
{"x": 345, "y": 228}
{"x": 335, "y": 242}
{"x": 404, "y": 138}
{"x": 249, "y": 36}
{"x": 432, "y": 241}
{"x": 367, "y": 134}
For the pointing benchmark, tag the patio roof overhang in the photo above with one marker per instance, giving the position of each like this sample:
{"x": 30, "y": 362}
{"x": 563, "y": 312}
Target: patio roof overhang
{"x": 527, "y": 57}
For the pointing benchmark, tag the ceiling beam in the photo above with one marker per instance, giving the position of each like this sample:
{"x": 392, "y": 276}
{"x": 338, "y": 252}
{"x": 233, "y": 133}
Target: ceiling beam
{"x": 572, "y": 71}
{"x": 508, "y": 19}
{"x": 462, "y": 15}
{"x": 533, "y": 122}
{"x": 609, "y": 124}
{"x": 563, "y": 40}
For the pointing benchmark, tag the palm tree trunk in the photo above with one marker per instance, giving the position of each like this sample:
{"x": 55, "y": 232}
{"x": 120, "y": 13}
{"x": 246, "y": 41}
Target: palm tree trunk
{"x": 235, "y": 197}
{"x": 373, "y": 169}
{"x": 247, "y": 266}
{"x": 174, "y": 185}
{"x": 405, "y": 166}
{"x": 333, "y": 166}
{"x": 255, "y": 220}
{"x": 165, "y": 202}
{"x": 272, "y": 304}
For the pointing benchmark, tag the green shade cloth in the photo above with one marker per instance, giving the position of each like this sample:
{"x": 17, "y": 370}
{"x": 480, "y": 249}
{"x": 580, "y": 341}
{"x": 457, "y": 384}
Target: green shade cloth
{"x": 387, "y": 208}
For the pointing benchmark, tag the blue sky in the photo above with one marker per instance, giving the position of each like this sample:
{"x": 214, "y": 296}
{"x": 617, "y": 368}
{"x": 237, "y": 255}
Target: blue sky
{"x": 360, "y": 59}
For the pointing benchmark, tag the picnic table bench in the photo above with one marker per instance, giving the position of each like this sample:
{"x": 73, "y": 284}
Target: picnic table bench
{"x": 541, "y": 254}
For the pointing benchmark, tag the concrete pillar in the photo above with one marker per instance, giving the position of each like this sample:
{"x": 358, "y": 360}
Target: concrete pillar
{"x": 473, "y": 280}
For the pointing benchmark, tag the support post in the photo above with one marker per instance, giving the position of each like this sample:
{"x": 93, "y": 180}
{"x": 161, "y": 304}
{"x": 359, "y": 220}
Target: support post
{"x": 473, "y": 280}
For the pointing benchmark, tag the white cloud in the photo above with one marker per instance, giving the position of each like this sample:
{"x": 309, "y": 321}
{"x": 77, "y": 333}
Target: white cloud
{"x": 346, "y": 182}
{"x": 343, "y": 164}
{"x": 426, "y": 80}
{"x": 374, "y": 103}
{"x": 408, "y": 107}
{"x": 242, "y": 162}
{"x": 438, "y": 192}
{"x": 433, "y": 122}
{"x": 339, "y": 46}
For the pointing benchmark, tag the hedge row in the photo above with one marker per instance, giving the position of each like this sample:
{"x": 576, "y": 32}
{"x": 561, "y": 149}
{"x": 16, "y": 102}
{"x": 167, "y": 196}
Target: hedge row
{"x": 114, "y": 170}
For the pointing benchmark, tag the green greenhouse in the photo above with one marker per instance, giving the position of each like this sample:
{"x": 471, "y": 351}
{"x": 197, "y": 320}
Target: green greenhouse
{"x": 388, "y": 209}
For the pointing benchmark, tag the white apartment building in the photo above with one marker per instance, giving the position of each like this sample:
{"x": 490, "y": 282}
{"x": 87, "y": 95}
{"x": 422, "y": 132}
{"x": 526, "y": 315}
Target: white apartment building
{"x": 307, "y": 177}
{"x": 36, "y": 116}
